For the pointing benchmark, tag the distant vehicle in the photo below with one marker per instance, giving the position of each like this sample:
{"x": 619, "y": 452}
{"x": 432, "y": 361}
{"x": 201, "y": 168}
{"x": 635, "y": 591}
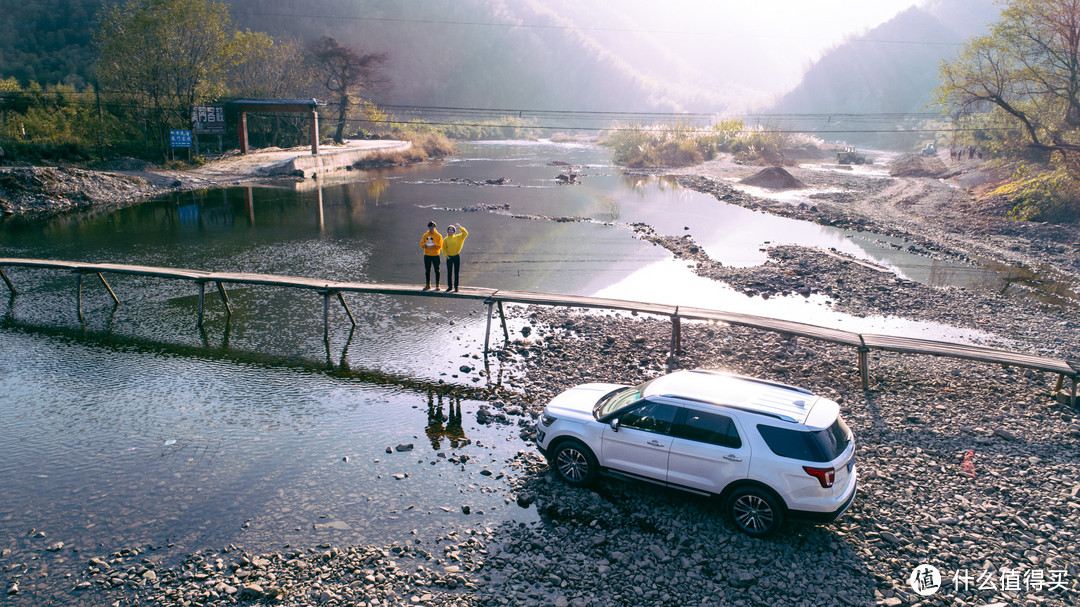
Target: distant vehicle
{"x": 931, "y": 148}
{"x": 850, "y": 155}
{"x": 768, "y": 450}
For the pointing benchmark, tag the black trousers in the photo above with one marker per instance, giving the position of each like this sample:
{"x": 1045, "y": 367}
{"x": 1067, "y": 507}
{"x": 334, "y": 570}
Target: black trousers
{"x": 429, "y": 262}
{"x": 453, "y": 269}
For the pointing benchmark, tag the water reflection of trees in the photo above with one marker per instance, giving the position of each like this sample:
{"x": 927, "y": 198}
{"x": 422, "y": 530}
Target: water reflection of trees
{"x": 640, "y": 183}
{"x": 442, "y": 425}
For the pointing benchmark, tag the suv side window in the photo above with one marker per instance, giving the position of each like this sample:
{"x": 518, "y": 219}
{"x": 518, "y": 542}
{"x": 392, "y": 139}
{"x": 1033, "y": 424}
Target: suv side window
{"x": 708, "y": 428}
{"x": 650, "y": 417}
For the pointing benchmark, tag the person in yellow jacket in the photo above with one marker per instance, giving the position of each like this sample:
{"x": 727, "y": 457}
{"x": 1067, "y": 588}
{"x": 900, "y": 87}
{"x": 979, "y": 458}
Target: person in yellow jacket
{"x": 432, "y": 242}
{"x": 455, "y": 238}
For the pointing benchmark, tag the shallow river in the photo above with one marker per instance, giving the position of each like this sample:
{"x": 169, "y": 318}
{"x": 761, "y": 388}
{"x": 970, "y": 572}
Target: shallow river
{"x": 131, "y": 427}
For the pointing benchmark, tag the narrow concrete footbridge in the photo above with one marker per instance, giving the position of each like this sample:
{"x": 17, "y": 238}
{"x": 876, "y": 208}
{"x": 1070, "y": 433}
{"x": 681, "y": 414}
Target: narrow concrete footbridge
{"x": 863, "y": 343}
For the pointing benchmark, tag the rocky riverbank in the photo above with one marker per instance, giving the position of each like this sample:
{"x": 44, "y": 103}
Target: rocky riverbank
{"x": 1013, "y": 505}
{"x": 967, "y": 467}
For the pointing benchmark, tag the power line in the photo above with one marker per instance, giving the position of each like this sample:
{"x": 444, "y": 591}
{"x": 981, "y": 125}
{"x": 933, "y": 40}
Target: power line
{"x": 575, "y": 28}
{"x": 831, "y": 120}
{"x": 532, "y": 112}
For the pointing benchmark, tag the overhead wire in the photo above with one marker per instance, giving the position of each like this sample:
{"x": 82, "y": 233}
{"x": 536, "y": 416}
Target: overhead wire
{"x": 616, "y": 121}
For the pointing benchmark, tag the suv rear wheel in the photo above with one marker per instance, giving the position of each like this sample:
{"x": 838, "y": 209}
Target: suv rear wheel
{"x": 755, "y": 512}
{"x": 574, "y": 463}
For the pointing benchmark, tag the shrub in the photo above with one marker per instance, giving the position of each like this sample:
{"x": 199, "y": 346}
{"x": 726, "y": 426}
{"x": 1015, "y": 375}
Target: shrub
{"x": 425, "y": 145}
{"x": 1052, "y": 196}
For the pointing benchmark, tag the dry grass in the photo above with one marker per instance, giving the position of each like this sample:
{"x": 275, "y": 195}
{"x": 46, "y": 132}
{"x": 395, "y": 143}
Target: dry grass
{"x": 425, "y": 146}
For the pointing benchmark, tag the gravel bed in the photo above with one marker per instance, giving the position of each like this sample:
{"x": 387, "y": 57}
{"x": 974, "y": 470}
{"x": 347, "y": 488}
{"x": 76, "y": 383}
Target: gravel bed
{"x": 625, "y": 544}
{"x": 969, "y": 467}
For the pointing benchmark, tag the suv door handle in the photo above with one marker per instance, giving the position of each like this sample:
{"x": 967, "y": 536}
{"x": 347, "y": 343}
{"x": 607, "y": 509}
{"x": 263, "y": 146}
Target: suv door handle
{"x": 732, "y": 458}
{"x": 655, "y": 443}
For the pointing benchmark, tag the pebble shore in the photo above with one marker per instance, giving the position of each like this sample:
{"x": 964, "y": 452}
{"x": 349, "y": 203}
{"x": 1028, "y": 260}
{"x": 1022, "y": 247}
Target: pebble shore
{"x": 969, "y": 467}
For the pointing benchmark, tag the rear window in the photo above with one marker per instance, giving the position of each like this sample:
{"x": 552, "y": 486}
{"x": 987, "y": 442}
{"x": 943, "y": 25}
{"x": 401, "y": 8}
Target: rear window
{"x": 808, "y": 445}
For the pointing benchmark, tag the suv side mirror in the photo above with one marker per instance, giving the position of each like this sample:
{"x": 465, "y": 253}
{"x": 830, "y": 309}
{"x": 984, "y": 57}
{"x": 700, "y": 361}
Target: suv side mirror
{"x": 615, "y": 425}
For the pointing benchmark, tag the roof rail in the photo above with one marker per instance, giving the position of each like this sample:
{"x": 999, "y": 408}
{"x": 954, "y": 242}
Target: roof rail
{"x": 755, "y": 380}
{"x": 779, "y": 416}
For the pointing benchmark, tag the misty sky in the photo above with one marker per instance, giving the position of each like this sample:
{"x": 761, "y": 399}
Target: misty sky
{"x": 610, "y": 54}
{"x": 773, "y": 40}
{"x": 802, "y": 26}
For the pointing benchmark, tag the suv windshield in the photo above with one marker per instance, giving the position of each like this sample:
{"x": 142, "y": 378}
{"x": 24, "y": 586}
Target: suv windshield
{"x": 618, "y": 399}
{"x": 808, "y": 445}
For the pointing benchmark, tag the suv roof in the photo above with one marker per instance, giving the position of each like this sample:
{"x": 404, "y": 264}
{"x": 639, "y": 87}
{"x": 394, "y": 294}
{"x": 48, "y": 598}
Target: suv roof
{"x": 777, "y": 400}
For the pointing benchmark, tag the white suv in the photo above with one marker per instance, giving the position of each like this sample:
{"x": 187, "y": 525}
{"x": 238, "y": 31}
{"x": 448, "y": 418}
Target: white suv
{"x": 768, "y": 450}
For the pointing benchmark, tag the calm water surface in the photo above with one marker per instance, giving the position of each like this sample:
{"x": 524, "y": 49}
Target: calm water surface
{"x": 132, "y": 427}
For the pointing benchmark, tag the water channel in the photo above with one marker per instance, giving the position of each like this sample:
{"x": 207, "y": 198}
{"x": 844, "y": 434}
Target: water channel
{"x": 130, "y": 427}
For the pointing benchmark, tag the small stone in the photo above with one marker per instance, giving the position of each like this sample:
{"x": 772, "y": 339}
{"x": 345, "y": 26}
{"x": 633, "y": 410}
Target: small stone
{"x": 744, "y": 579}
{"x": 1005, "y": 434}
{"x": 404, "y": 447}
{"x": 466, "y": 509}
{"x": 56, "y": 547}
{"x": 465, "y": 368}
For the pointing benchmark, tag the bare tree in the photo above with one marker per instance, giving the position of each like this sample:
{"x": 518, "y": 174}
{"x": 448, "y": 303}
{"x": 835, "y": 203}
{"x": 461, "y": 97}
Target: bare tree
{"x": 1028, "y": 66}
{"x": 347, "y": 75}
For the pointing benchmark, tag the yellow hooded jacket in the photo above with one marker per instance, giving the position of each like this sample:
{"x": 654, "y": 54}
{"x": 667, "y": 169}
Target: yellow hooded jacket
{"x": 431, "y": 242}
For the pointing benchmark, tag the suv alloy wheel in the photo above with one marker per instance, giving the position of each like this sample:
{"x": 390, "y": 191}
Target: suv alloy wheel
{"x": 575, "y": 464}
{"x": 755, "y": 512}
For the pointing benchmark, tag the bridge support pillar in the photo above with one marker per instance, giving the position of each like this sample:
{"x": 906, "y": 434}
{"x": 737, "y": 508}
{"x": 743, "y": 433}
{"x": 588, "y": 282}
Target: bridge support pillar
{"x": 864, "y": 367}
{"x": 487, "y": 329}
{"x": 224, "y": 297}
{"x": 7, "y": 281}
{"x": 676, "y": 343}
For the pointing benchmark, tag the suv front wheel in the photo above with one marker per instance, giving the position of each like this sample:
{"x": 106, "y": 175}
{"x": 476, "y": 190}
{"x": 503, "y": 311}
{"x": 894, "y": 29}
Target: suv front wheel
{"x": 755, "y": 512}
{"x": 574, "y": 463}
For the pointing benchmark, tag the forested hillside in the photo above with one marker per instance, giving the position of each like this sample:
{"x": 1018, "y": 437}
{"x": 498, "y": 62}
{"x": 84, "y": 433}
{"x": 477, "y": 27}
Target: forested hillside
{"x": 557, "y": 54}
{"x": 892, "y": 69}
{"x": 48, "y": 41}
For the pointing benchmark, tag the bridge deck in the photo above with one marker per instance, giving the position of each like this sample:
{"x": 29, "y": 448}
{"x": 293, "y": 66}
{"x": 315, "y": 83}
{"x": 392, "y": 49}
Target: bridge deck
{"x": 864, "y": 342}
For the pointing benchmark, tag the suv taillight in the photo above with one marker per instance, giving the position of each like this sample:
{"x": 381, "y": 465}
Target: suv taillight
{"x": 825, "y": 476}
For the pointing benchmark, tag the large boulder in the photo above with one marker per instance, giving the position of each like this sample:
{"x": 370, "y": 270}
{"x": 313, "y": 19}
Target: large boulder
{"x": 773, "y": 178}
